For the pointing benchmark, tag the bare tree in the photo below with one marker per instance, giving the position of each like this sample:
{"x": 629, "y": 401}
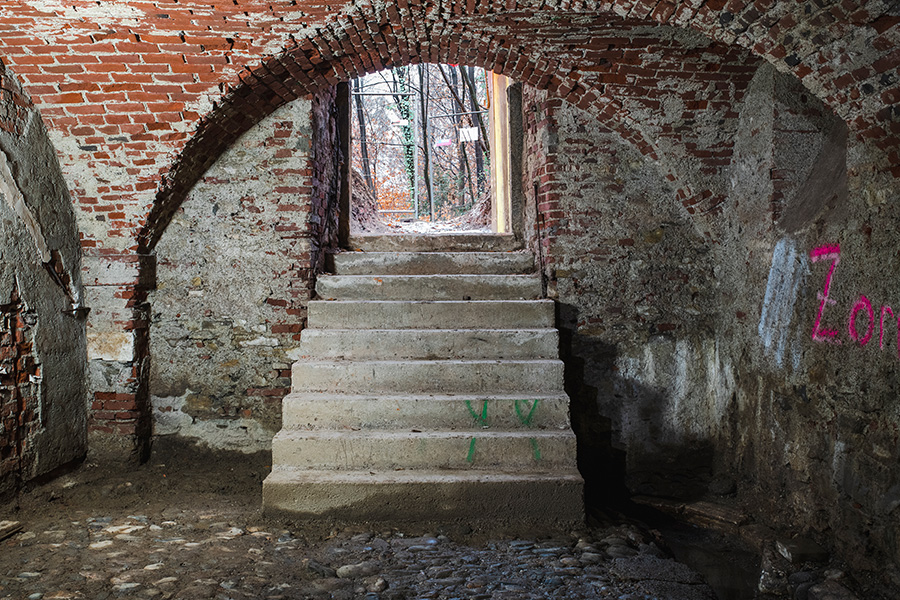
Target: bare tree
{"x": 363, "y": 142}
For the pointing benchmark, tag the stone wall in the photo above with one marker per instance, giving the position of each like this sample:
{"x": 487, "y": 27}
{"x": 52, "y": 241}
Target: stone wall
{"x": 700, "y": 368}
{"x": 140, "y": 100}
{"x": 42, "y": 335}
{"x": 817, "y": 424}
{"x": 633, "y": 279}
{"x": 235, "y": 272}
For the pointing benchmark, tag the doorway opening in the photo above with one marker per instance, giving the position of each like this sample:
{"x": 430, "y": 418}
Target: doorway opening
{"x": 429, "y": 150}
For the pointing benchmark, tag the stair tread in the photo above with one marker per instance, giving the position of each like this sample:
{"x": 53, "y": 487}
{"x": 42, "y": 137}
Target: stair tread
{"x": 436, "y": 252}
{"x": 449, "y": 241}
{"x": 375, "y": 477}
{"x": 444, "y": 303}
{"x": 436, "y": 361}
{"x": 444, "y": 330}
{"x": 437, "y": 397}
{"x": 433, "y": 276}
{"x": 373, "y": 435}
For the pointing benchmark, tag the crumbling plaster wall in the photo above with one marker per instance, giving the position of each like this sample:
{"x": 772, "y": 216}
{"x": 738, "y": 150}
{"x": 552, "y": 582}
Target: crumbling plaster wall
{"x": 235, "y": 271}
{"x": 697, "y": 361}
{"x": 633, "y": 279}
{"x": 42, "y": 340}
{"x": 816, "y": 379}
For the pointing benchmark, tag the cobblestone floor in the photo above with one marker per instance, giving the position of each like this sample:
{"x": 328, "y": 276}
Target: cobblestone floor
{"x": 187, "y": 525}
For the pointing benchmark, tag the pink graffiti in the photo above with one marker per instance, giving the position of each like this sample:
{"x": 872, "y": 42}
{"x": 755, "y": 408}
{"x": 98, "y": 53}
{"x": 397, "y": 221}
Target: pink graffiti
{"x": 863, "y": 304}
{"x": 832, "y": 253}
{"x": 827, "y": 251}
{"x": 887, "y": 309}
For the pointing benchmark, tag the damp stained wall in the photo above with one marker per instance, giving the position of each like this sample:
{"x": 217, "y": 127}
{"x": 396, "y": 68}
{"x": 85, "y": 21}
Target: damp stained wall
{"x": 757, "y": 354}
{"x": 43, "y": 398}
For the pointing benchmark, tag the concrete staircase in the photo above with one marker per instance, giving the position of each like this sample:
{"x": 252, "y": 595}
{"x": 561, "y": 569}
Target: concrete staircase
{"x": 429, "y": 390}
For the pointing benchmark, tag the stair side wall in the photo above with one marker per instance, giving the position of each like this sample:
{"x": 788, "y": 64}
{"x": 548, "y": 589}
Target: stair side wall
{"x": 235, "y": 272}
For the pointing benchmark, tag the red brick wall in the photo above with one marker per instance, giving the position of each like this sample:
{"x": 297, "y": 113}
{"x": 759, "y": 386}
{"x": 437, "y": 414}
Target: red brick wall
{"x": 19, "y": 397}
{"x": 128, "y": 87}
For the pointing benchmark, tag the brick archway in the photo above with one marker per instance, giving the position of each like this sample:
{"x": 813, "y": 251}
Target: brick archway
{"x": 598, "y": 69}
{"x": 124, "y": 91}
{"x": 606, "y": 58}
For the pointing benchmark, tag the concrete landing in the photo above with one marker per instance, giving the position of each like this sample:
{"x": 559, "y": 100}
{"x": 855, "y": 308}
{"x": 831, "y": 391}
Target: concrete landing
{"x": 444, "y": 242}
{"x": 428, "y": 388}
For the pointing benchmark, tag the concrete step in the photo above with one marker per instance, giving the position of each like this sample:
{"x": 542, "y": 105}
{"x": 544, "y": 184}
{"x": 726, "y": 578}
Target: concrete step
{"x": 445, "y": 242}
{"x": 531, "y": 451}
{"x": 395, "y": 344}
{"x": 428, "y": 287}
{"x": 520, "y": 503}
{"x": 425, "y": 263}
{"x": 342, "y": 412}
{"x": 428, "y": 376}
{"x": 447, "y": 314}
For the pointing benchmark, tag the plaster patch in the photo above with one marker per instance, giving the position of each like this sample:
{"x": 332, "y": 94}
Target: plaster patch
{"x": 294, "y": 354}
{"x": 13, "y": 196}
{"x": 105, "y": 13}
{"x": 260, "y": 341}
{"x": 244, "y": 435}
{"x": 719, "y": 382}
{"x": 109, "y": 345}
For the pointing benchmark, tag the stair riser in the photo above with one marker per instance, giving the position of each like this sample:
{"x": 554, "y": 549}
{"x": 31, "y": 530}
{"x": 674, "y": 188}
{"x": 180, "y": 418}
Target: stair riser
{"x": 423, "y": 315}
{"x": 424, "y": 414}
{"x": 437, "y": 377}
{"x": 394, "y": 344}
{"x": 429, "y": 287}
{"x": 540, "y": 453}
{"x": 522, "y": 507}
{"x": 425, "y": 263}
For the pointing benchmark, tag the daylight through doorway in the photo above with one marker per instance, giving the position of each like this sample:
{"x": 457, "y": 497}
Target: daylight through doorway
{"x": 423, "y": 149}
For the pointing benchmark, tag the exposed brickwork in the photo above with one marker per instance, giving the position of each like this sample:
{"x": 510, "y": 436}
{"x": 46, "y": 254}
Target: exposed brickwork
{"x": 19, "y": 393}
{"x": 13, "y": 104}
{"x": 126, "y": 96}
{"x": 620, "y": 71}
{"x": 118, "y": 341}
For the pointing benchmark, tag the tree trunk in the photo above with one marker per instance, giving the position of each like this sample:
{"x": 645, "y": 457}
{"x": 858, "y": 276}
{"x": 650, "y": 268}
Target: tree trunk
{"x": 476, "y": 118}
{"x": 363, "y": 145}
{"x": 407, "y": 134}
{"x": 426, "y": 137}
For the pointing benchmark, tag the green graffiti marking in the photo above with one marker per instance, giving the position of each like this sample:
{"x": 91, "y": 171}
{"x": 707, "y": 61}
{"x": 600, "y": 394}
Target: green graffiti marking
{"x": 482, "y": 417}
{"x": 526, "y": 419}
{"x": 535, "y": 450}
{"x": 471, "y": 457}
